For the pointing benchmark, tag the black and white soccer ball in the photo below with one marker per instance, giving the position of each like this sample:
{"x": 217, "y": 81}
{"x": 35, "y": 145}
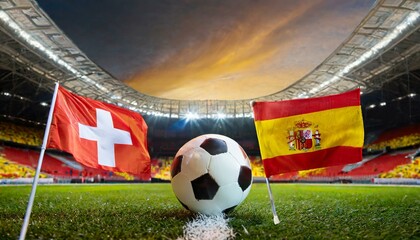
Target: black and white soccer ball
{"x": 211, "y": 174}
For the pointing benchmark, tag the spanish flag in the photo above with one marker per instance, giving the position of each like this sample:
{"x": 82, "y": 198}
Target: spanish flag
{"x": 310, "y": 133}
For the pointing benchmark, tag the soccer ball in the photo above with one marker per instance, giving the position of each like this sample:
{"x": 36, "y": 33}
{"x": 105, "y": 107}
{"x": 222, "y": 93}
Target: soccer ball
{"x": 211, "y": 174}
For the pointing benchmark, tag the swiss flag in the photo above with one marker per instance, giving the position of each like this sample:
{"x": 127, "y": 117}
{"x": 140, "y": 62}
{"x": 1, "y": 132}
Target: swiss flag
{"x": 100, "y": 135}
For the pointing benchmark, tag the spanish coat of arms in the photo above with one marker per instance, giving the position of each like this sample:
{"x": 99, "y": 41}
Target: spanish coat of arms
{"x": 304, "y": 136}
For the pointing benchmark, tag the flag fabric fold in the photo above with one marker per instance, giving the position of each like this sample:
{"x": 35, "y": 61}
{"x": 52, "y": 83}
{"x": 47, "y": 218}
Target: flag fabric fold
{"x": 310, "y": 133}
{"x": 100, "y": 135}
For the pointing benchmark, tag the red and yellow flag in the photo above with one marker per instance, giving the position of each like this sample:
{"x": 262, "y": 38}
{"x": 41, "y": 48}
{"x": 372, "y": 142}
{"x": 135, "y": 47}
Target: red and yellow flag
{"x": 302, "y": 134}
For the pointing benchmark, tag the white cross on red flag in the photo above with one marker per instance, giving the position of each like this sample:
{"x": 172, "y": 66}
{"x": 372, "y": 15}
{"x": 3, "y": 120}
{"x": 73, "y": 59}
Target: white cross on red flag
{"x": 100, "y": 135}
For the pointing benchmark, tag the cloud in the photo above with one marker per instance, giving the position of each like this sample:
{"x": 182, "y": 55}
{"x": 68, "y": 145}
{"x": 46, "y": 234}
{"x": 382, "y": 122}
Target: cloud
{"x": 230, "y": 59}
{"x": 221, "y": 49}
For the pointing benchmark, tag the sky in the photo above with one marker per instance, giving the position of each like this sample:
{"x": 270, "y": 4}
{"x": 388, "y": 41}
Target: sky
{"x": 207, "y": 49}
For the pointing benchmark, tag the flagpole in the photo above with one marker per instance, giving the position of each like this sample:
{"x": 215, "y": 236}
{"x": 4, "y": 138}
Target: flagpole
{"x": 273, "y": 207}
{"x": 38, "y": 169}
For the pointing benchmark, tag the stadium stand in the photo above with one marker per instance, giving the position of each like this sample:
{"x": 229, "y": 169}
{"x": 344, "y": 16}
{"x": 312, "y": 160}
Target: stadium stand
{"x": 411, "y": 170}
{"x": 395, "y": 164}
{"x": 161, "y": 168}
{"x": 29, "y": 158}
{"x": 388, "y": 165}
{"x": 11, "y": 132}
{"x": 285, "y": 177}
{"x": 10, "y": 169}
{"x": 24, "y": 156}
{"x": 21, "y": 160}
{"x": 380, "y": 165}
{"x": 257, "y": 166}
{"x": 54, "y": 167}
{"x": 397, "y": 138}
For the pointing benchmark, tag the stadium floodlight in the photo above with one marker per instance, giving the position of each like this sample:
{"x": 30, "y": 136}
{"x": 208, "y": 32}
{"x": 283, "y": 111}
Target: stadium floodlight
{"x": 221, "y": 115}
{"x": 247, "y": 115}
{"x": 7, "y": 94}
{"x": 132, "y": 108}
{"x": 412, "y": 95}
{"x": 192, "y": 116}
{"x": 44, "y": 104}
{"x": 372, "y": 106}
{"x": 382, "y": 104}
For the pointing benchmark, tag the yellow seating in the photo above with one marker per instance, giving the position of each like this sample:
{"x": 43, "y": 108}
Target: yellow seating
{"x": 20, "y": 134}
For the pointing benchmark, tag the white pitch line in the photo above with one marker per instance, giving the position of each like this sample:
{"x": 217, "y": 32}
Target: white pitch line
{"x": 208, "y": 227}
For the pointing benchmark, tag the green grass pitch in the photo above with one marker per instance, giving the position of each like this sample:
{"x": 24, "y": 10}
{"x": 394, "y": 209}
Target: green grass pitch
{"x": 151, "y": 211}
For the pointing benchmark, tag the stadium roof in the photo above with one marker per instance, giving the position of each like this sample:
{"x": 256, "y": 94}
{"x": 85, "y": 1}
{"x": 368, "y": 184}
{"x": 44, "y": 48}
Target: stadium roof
{"x": 35, "y": 53}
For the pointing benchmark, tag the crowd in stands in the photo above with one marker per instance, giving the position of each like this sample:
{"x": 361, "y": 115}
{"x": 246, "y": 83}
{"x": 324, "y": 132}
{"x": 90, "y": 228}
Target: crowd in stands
{"x": 397, "y": 138}
{"x": 124, "y": 175}
{"x": 161, "y": 167}
{"x": 15, "y": 163}
{"x": 9, "y": 169}
{"x": 411, "y": 170}
{"x": 30, "y": 136}
{"x": 382, "y": 166}
{"x": 257, "y": 166}
{"x": 311, "y": 172}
